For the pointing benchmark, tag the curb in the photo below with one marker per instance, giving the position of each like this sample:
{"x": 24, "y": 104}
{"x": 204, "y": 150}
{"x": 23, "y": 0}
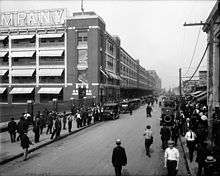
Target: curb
{"x": 186, "y": 162}
{"x": 46, "y": 143}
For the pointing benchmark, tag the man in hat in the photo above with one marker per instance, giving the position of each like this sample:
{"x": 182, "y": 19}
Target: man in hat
{"x": 25, "y": 144}
{"x": 12, "y": 127}
{"x": 171, "y": 159}
{"x": 119, "y": 158}
{"x": 148, "y": 139}
{"x": 190, "y": 141}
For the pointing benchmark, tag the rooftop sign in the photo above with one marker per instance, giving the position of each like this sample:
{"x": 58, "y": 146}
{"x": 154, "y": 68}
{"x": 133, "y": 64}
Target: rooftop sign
{"x": 49, "y": 17}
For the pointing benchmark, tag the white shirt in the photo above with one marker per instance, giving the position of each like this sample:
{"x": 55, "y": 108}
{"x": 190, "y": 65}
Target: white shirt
{"x": 190, "y": 136}
{"x": 172, "y": 154}
{"x": 148, "y": 134}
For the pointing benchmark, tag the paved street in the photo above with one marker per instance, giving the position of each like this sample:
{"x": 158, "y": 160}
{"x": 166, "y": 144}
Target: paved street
{"x": 88, "y": 152}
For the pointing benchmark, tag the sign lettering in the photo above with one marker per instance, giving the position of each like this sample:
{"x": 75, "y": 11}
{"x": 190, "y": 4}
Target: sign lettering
{"x": 49, "y": 17}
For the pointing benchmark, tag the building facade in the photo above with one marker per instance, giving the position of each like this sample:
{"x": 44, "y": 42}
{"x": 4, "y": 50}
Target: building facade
{"x": 46, "y": 55}
{"x": 213, "y": 77}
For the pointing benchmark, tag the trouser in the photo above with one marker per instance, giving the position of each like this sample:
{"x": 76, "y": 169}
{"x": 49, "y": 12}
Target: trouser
{"x": 36, "y": 137}
{"x": 171, "y": 167}
{"x": 175, "y": 138}
{"x": 164, "y": 143}
{"x": 25, "y": 153}
{"x": 118, "y": 170}
{"x": 70, "y": 126}
{"x": 41, "y": 129}
{"x": 64, "y": 125}
{"x": 13, "y": 136}
{"x": 58, "y": 133}
{"x": 49, "y": 129}
{"x": 147, "y": 146}
{"x": 191, "y": 147}
{"x": 200, "y": 166}
{"x": 53, "y": 133}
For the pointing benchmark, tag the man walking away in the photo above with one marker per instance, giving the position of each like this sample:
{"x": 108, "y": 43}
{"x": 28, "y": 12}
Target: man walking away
{"x": 175, "y": 133}
{"x": 64, "y": 120}
{"x": 49, "y": 123}
{"x": 25, "y": 144}
{"x": 201, "y": 156}
{"x": 148, "y": 110}
{"x": 36, "y": 130}
{"x": 70, "y": 120}
{"x": 165, "y": 136}
{"x": 148, "y": 139}
{"x": 171, "y": 159}
{"x": 119, "y": 158}
{"x": 190, "y": 141}
{"x": 12, "y": 127}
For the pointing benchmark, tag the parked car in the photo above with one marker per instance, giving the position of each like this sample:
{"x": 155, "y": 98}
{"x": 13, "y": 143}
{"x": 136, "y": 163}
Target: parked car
{"x": 111, "y": 111}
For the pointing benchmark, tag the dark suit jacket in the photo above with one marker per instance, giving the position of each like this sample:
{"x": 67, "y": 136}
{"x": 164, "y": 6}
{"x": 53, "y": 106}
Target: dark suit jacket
{"x": 119, "y": 157}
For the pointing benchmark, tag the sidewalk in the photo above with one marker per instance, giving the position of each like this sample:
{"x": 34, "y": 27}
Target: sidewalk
{"x": 10, "y": 151}
{"x": 193, "y": 166}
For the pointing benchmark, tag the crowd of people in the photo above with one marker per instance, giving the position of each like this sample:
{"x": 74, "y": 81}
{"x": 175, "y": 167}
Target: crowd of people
{"x": 51, "y": 123}
{"x": 191, "y": 123}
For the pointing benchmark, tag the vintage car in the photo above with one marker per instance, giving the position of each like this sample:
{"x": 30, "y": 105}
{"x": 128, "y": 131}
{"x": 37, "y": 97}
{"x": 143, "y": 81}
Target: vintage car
{"x": 124, "y": 106}
{"x": 111, "y": 111}
{"x": 168, "y": 111}
{"x": 132, "y": 104}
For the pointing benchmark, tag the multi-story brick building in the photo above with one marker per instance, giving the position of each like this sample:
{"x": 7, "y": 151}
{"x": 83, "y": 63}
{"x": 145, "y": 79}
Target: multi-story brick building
{"x": 46, "y": 55}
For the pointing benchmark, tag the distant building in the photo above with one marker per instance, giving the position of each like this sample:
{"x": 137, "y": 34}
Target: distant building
{"x": 45, "y": 55}
{"x": 190, "y": 86}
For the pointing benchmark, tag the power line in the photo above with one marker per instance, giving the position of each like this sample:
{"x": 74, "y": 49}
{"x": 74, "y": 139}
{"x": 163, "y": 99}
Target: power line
{"x": 207, "y": 46}
{"x": 194, "y": 51}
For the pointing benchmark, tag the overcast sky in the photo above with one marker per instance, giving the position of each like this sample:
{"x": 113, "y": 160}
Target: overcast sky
{"x": 151, "y": 31}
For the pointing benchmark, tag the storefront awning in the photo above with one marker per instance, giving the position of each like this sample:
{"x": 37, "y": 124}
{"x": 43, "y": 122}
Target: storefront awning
{"x": 50, "y": 72}
{"x": 2, "y": 72}
{"x": 3, "y": 54}
{"x": 112, "y": 75}
{"x": 22, "y": 54}
{"x": 50, "y": 90}
{"x": 22, "y": 90}
{"x": 53, "y": 53}
{"x": 22, "y": 72}
{"x": 202, "y": 98}
{"x": 2, "y": 90}
{"x": 51, "y": 35}
{"x": 195, "y": 93}
{"x": 3, "y": 37}
{"x": 16, "y": 37}
{"x": 200, "y": 94}
{"x": 103, "y": 72}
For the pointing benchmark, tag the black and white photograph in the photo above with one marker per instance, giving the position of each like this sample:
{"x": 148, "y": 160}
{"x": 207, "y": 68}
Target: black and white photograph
{"x": 109, "y": 87}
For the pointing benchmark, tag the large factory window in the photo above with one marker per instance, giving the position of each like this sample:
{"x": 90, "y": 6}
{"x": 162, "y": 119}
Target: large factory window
{"x": 82, "y": 38}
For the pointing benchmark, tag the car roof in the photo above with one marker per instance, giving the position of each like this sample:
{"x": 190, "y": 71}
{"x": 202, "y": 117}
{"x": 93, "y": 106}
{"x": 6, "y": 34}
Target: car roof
{"x": 110, "y": 104}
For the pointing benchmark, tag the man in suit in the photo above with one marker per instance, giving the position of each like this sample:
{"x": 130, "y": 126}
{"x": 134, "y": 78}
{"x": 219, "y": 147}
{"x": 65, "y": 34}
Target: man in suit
{"x": 119, "y": 158}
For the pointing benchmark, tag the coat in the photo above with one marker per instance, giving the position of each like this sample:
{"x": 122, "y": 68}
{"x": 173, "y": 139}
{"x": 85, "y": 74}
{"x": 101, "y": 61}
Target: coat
{"x": 165, "y": 133}
{"x": 12, "y": 127}
{"x": 201, "y": 154}
{"x": 25, "y": 142}
{"x": 119, "y": 157}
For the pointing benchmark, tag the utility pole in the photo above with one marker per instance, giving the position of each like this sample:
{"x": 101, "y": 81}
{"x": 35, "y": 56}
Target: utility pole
{"x": 82, "y": 6}
{"x": 180, "y": 82}
{"x": 210, "y": 118}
